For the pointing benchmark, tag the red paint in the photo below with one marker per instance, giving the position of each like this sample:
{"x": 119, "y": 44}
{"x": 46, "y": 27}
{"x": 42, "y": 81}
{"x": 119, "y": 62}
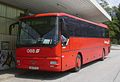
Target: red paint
{"x": 90, "y": 48}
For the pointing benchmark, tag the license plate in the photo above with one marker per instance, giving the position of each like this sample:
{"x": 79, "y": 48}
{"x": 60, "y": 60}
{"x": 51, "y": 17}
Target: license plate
{"x": 33, "y": 68}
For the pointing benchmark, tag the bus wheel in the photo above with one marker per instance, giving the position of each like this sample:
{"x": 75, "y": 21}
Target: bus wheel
{"x": 78, "y": 63}
{"x": 103, "y": 56}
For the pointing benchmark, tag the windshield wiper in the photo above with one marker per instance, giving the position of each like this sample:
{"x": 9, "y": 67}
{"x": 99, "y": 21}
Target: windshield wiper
{"x": 28, "y": 32}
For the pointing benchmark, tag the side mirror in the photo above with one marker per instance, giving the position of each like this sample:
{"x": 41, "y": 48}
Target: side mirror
{"x": 65, "y": 40}
{"x": 11, "y": 27}
{"x": 65, "y": 43}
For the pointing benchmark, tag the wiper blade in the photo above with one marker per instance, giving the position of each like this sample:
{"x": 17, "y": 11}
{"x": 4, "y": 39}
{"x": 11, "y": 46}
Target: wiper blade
{"x": 30, "y": 34}
{"x": 29, "y": 27}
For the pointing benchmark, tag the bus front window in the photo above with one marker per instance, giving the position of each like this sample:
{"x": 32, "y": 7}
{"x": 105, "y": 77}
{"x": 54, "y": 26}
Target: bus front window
{"x": 38, "y": 31}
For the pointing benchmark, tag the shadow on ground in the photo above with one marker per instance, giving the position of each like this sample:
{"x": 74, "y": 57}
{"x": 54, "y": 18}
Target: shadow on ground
{"x": 49, "y": 75}
{"x": 10, "y": 71}
{"x": 40, "y": 75}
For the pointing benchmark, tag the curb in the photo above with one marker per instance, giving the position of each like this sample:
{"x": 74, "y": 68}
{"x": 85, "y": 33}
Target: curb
{"x": 114, "y": 49}
{"x": 6, "y": 76}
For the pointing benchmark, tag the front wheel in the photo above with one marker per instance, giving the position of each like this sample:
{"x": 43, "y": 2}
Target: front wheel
{"x": 77, "y": 63}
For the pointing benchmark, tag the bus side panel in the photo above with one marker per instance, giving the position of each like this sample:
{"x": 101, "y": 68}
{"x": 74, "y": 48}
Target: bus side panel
{"x": 99, "y": 47}
{"x": 90, "y": 48}
{"x": 85, "y": 46}
{"x": 68, "y": 57}
{"x": 106, "y": 46}
{"x": 77, "y": 45}
{"x": 68, "y": 60}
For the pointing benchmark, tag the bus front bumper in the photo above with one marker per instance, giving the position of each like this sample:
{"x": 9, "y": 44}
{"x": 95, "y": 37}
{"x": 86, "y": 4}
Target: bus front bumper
{"x": 42, "y": 64}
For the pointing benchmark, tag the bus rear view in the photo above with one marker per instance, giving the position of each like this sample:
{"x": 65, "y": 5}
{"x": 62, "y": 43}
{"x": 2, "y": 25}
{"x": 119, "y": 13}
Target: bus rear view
{"x": 59, "y": 42}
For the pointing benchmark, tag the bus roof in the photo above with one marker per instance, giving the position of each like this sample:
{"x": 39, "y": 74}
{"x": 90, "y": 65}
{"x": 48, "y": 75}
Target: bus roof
{"x": 64, "y": 14}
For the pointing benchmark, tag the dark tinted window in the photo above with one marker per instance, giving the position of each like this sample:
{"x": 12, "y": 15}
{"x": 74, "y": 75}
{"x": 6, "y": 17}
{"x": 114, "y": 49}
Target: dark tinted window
{"x": 79, "y": 28}
{"x": 106, "y": 33}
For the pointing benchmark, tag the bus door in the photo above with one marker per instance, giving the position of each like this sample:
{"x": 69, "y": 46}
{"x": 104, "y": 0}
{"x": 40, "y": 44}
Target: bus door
{"x": 64, "y": 36}
{"x": 65, "y": 43}
{"x": 66, "y": 54}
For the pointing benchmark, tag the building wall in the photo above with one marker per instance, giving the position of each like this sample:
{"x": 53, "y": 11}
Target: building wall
{"x": 8, "y": 15}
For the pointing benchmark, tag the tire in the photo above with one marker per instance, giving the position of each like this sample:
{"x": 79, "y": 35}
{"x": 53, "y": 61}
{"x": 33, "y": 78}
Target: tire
{"x": 78, "y": 64}
{"x": 103, "y": 56}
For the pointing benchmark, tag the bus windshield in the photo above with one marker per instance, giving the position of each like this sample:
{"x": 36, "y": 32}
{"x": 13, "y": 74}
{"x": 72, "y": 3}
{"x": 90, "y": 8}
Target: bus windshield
{"x": 38, "y": 31}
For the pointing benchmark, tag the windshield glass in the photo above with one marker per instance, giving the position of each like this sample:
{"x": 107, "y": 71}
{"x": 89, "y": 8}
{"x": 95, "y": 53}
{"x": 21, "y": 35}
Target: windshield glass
{"x": 38, "y": 31}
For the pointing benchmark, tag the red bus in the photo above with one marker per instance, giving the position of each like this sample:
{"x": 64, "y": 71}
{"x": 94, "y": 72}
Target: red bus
{"x": 59, "y": 42}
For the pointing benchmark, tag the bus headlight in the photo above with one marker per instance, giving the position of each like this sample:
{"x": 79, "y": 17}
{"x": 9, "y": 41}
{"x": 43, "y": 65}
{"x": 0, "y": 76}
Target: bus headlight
{"x": 18, "y": 61}
{"x": 53, "y": 62}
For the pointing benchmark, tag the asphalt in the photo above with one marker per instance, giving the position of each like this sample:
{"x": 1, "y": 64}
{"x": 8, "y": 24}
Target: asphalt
{"x": 9, "y": 73}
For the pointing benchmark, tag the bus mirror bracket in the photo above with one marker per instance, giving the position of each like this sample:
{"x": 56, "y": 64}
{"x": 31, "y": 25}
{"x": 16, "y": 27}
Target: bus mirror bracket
{"x": 11, "y": 27}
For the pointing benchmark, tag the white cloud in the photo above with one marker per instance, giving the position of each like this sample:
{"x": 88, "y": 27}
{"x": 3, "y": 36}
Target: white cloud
{"x": 113, "y": 2}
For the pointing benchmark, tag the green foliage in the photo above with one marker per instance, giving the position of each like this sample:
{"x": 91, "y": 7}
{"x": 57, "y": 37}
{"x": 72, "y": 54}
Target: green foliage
{"x": 114, "y": 26}
{"x": 105, "y": 5}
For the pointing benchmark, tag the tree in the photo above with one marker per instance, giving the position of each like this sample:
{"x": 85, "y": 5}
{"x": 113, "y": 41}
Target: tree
{"x": 105, "y": 5}
{"x": 115, "y": 25}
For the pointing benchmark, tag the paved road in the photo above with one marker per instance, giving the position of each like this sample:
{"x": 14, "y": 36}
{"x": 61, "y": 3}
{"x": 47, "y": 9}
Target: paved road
{"x": 98, "y": 71}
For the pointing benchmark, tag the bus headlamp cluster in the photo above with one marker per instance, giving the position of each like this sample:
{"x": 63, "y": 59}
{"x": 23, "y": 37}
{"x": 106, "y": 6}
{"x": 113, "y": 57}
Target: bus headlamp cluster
{"x": 53, "y": 62}
{"x": 18, "y": 61}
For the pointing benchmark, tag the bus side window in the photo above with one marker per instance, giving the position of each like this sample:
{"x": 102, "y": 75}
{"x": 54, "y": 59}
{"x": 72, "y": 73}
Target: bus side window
{"x": 64, "y": 33}
{"x": 106, "y": 33}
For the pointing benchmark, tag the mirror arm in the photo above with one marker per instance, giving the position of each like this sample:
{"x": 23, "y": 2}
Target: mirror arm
{"x": 11, "y": 27}
{"x": 67, "y": 42}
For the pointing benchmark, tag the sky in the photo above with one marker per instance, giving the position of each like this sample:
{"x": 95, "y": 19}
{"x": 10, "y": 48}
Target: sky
{"x": 113, "y": 2}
